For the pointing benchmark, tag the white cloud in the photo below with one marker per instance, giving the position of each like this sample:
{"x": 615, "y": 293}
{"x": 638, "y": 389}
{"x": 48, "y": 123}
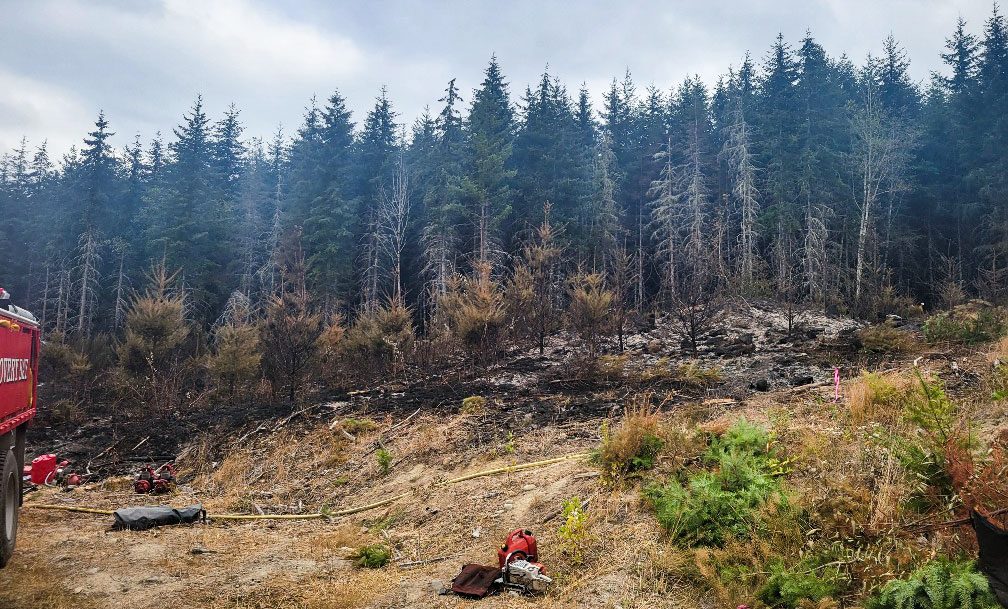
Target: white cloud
{"x": 144, "y": 61}
{"x": 229, "y": 37}
{"x": 36, "y": 110}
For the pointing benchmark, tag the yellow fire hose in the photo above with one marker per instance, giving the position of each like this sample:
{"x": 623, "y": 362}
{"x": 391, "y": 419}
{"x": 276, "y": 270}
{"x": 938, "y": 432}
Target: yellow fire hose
{"x": 346, "y": 512}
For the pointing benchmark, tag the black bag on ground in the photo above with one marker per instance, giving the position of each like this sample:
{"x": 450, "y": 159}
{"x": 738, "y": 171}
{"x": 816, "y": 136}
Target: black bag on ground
{"x": 148, "y": 517}
{"x": 993, "y": 542}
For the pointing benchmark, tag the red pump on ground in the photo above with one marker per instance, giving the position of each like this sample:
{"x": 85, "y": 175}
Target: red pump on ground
{"x": 519, "y": 545}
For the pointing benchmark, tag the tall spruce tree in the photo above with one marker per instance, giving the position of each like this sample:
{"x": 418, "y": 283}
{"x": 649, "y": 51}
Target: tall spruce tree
{"x": 490, "y": 130}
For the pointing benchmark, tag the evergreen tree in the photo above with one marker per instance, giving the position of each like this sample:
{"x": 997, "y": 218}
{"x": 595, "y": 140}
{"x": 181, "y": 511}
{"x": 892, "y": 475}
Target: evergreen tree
{"x": 490, "y": 130}
{"x": 443, "y": 199}
{"x": 188, "y": 230}
{"x": 330, "y": 222}
{"x": 604, "y": 224}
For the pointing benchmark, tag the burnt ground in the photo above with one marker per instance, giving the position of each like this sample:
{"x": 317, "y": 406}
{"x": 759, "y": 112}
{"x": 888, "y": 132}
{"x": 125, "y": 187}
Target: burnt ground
{"x": 750, "y": 348}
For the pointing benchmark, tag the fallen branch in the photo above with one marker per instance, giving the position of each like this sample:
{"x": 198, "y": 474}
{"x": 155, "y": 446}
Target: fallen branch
{"x": 262, "y": 426}
{"x": 514, "y": 468}
{"x": 801, "y": 388}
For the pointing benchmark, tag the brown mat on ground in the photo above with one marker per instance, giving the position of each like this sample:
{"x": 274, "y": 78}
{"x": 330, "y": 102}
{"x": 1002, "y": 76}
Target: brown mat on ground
{"x": 475, "y": 580}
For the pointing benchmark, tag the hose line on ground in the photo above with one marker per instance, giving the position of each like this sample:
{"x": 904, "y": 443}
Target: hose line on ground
{"x": 507, "y": 469}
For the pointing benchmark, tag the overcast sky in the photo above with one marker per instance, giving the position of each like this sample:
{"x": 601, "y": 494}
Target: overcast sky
{"x": 144, "y": 61}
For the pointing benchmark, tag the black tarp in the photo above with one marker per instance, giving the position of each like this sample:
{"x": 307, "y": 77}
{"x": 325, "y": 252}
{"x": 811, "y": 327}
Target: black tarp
{"x": 148, "y": 517}
{"x": 993, "y": 542}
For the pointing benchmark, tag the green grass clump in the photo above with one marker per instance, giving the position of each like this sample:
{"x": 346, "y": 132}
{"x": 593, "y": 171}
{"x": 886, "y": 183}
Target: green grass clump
{"x": 940, "y": 584}
{"x": 695, "y": 375}
{"x": 358, "y": 426}
{"x": 373, "y": 556}
{"x": 712, "y": 506}
{"x": 474, "y": 404}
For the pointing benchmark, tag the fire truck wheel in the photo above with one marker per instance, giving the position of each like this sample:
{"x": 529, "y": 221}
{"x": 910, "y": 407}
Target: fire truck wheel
{"x": 10, "y": 489}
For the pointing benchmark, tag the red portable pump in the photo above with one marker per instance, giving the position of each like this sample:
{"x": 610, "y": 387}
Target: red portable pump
{"x": 519, "y": 545}
{"x": 518, "y": 570}
{"x": 156, "y": 481}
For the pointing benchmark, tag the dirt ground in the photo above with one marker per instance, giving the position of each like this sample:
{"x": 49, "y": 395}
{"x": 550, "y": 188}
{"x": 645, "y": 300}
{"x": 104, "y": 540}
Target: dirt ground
{"x": 73, "y": 560}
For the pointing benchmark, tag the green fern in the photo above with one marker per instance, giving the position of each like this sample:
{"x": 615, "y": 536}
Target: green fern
{"x": 940, "y": 584}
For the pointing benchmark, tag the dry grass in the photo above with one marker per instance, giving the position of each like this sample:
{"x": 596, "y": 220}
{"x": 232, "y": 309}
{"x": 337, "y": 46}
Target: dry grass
{"x": 640, "y": 426}
{"x": 884, "y": 338}
{"x": 612, "y": 367}
{"x": 361, "y": 590}
{"x": 37, "y": 585}
{"x": 697, "y": 376}
{"x": 659, "y": 371}
{"x": 878, "y": 396}
{"x": 998, "y": 353}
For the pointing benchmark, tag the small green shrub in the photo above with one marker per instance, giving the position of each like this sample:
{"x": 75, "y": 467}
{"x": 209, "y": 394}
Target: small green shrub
{"x": 923, "y": 454}
{"x": 373, "y": 556}
{"x": 940, "y": 584}
{"x": 651, "y": 446}
{"x": 573, "y": 532}
{"x": 509, "y": 444}
{"x": 714, "y": 505}
{"x": 969, "y": 324}
{"x": 742, "y": 437}
{"x": 710, "y": 507}
{"x": 787, "y": 587}
{"x": 384, "y": 458}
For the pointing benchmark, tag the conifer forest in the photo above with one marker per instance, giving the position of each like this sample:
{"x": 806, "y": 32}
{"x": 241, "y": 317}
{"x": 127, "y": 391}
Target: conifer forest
{"x": 817, "y": 179}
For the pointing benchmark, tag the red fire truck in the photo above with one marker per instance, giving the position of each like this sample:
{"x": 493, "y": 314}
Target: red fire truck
{"x": 19, "y": 353}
